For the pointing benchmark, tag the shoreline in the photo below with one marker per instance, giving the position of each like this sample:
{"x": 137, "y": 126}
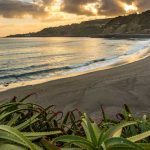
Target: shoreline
{"x": 111, "y": 65}
{"x": 127, "y": 84}
{"x": 109, "y": 36}
{"x": 122, "y": 36}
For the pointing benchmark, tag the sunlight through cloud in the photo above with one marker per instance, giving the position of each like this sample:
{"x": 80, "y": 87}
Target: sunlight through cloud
{"x": 130, "y": 8}
{"x": 92, "y": 7}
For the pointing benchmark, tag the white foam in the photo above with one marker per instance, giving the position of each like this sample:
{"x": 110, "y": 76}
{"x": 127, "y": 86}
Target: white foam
{"x": 141, "y": 50}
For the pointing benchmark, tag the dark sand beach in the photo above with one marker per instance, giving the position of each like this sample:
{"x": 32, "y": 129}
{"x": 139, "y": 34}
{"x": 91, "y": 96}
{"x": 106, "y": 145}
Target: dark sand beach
{"x": 128, "y": 84}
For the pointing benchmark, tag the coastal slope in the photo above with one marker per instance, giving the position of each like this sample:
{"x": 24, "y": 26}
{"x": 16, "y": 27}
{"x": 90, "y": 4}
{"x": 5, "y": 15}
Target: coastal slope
{"x": 128, "y": 84}
{"x": 132, "y": 24}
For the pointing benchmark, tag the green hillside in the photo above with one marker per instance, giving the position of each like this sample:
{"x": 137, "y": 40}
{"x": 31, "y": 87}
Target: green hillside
{"x": 131, "y": 24}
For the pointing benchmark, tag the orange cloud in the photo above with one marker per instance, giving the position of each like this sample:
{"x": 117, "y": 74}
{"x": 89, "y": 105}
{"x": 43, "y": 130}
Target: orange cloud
{"x": 19, "y": 9}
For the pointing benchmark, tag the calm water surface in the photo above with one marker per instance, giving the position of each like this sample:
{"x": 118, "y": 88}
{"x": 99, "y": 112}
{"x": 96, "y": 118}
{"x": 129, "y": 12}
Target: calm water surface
{"x": 25, "y": 59}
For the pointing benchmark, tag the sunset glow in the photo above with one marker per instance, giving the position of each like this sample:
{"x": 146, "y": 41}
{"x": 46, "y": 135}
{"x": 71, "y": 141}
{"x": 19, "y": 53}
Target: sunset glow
{"x": 130, "y": 8}
{"x": 91, "y": 8}
{"x": 33, "y": 15}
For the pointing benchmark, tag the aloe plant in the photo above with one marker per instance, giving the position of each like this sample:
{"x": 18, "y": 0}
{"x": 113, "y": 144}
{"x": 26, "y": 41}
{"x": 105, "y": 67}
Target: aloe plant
{"x": 24, "y": 139}
{"x": 97, "y": 139}
{"x": 25, "y": 125}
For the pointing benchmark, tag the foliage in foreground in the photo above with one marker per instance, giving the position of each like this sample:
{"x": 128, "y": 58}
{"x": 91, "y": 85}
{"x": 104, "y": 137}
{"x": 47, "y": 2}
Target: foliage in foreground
{"x": 28, "y": 126}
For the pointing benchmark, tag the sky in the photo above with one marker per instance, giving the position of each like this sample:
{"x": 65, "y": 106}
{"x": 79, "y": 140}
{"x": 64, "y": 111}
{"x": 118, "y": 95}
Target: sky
{"x": 23, "y": 16}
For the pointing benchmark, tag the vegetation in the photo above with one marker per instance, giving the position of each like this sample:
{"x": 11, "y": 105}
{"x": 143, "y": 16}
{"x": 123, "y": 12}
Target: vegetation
{"x": 28, "y": 126}
{"x": 84, "y": 29}
{"x": 133, "y": 24}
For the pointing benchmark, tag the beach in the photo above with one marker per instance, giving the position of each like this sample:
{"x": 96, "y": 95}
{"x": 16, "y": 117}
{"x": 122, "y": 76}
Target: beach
{"x": 128, "y": 84}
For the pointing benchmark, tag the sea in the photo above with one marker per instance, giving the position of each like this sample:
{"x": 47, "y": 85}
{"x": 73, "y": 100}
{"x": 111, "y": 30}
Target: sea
{"x": 28, "y": 59}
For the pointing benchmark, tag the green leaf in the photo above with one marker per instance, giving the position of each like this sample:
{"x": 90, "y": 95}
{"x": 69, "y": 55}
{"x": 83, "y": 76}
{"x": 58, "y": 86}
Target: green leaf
{"x": 101, "y": 138}
{"x": 97, "y": 131}
{"x": 118, "y": 147}
{"x": 2, "y": 116}
{"x": 10, "y": 137}
{"x": 76, "y": 140}
{"x": 122, "y": 142}
{"x": 13, "y": 120}
{"x": 89, "y": 129}
{"x": 35, "y": 134}
{"x": 28, "y": 122}
{"x": 117, "y": 129}
{"x": 71, "y": 149}
{"x": 87, "y": 133}
{"x": 145, "y": 146}
{"x": 11, "y": 147}
{"x": 17, "y": 134}
{"x": 139, "y": 136}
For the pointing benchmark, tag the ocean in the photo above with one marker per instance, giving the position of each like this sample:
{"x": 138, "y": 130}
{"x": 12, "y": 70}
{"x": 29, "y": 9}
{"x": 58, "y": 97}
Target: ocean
{"x": 25, "y": 59}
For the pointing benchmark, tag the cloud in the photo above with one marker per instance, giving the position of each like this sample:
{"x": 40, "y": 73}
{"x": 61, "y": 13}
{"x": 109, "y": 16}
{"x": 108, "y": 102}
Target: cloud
{"x": 104, "y": 7}
{"x": 43, "y": 2}
{"x": 76, "y": 6}
{"x": 18, "y": 9}
{"x": 43, "y": 8}
{"x": 143, "y": 5}
{"x": 110, "y": 8}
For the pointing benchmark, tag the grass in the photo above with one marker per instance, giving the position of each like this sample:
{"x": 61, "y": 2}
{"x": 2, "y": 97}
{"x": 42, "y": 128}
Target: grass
{"x": 28, "y": 126}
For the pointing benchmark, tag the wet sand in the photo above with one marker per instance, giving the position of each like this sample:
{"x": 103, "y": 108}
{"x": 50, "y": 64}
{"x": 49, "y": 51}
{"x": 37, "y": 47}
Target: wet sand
{"x": 128, "y": 84}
